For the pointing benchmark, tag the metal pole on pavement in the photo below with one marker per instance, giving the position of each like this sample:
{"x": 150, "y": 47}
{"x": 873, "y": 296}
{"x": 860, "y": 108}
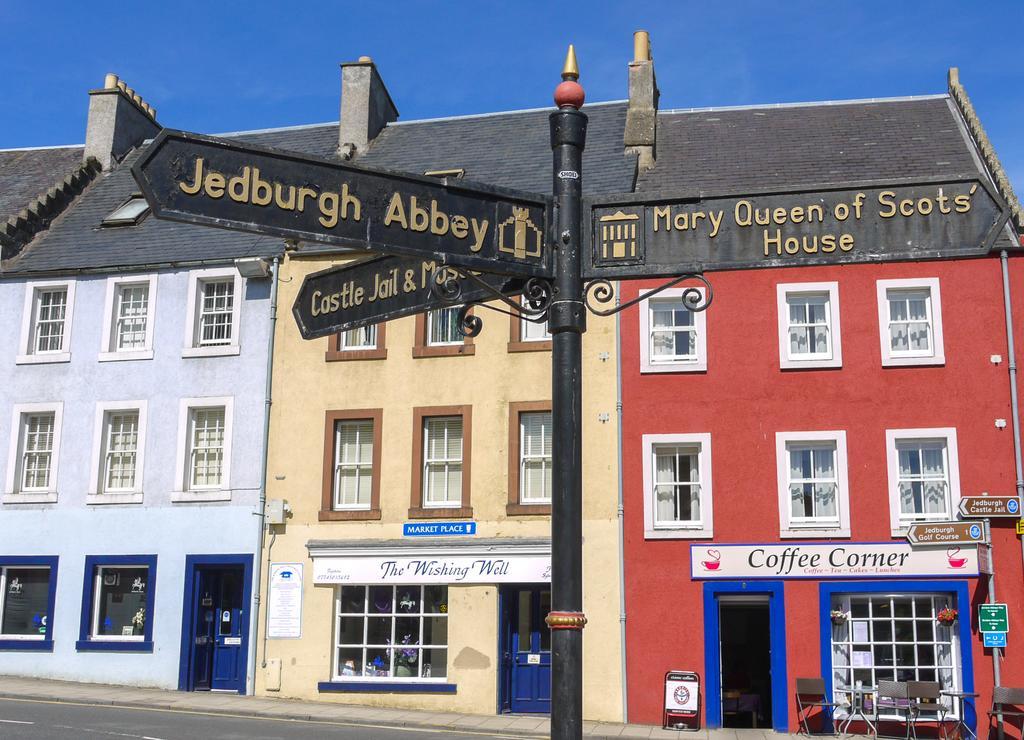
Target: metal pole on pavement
{"x": 567, "y": 322}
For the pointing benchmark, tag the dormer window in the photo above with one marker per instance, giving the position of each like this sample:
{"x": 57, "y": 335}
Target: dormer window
{"x": 129, "y": 213}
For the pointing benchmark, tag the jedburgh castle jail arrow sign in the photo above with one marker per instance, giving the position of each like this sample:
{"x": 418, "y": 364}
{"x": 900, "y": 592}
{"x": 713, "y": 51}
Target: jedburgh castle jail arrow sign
{"x": 642, "y": 235}
{"x": 218, "y": 182}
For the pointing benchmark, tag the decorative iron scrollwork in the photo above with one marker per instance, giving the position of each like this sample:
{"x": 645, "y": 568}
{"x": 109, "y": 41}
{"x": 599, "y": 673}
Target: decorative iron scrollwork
{"x": 446, "y": 284}
{"x": 602, "y": 292}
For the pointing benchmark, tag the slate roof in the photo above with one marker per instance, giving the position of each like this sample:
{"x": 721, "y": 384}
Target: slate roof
{"x": 26, "y": 173}
{"x": 744, "y": 149}
{"x": 505, "y": 149}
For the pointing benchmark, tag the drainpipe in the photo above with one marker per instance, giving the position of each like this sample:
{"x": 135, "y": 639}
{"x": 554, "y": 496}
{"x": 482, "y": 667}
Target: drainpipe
{"x": 261, "y": 506}
{"x": 621, "y": 511}
{"x": 1011, "y": 361}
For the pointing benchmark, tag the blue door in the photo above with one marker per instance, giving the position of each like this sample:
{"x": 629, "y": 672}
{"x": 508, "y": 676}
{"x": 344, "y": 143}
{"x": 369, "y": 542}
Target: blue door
{"x": 526, "y": 650}
{"x": 217, "y": 659}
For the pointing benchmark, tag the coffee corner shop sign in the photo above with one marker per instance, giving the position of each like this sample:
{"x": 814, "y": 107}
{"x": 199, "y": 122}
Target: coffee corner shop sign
{"x": 220, "y": 182}
{"x": 806, "y": 560}
{"x": 662, "y": 235}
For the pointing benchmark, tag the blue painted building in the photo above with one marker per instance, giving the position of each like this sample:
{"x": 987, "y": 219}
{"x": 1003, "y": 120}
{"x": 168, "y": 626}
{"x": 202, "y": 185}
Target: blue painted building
{"x": 132, "y": 421}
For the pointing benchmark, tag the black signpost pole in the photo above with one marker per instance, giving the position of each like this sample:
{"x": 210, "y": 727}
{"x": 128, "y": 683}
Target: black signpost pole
{"x": 567, "y": 322}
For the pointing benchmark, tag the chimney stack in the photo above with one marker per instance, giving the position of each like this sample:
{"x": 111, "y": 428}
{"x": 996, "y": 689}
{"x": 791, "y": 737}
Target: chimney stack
{"x": 366, "y": 107}
{"x": 119, "y": 119}
{"x": 641, "y": 132}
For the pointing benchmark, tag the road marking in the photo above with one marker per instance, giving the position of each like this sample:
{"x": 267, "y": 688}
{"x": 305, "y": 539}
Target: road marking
{"x": 15, "y": 722}
{"x": 106, "y": 732}
{"x": 393, "y": 728}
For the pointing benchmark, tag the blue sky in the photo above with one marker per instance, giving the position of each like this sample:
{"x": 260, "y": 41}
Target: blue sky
{"x": 216, "y": 67}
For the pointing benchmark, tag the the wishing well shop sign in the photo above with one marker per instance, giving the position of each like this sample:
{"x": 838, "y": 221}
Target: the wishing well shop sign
{"x": 500, "y": 568}
{"x": 842, "y": 560}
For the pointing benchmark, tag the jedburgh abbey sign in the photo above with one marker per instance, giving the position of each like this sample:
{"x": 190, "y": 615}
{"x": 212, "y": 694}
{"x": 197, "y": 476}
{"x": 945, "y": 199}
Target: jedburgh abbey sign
{"x": 846, "y": 560}
{"x": 654, "y": 236}
{"x": 217, "y": 182}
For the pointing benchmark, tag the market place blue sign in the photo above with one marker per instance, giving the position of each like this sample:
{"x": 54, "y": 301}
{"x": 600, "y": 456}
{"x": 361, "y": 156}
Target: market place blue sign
{"x": 438, "y": 529}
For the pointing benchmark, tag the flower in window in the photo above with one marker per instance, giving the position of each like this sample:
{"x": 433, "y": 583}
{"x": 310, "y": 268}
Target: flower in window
{"x": 946, "y": 616}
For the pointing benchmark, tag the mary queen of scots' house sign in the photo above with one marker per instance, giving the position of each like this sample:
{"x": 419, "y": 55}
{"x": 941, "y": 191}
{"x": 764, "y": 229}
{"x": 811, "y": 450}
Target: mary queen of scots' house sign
{"x": 846, "y": 560}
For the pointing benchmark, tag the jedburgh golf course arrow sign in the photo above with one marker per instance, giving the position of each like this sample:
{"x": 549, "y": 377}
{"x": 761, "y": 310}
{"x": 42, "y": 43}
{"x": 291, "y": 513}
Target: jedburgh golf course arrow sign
{"x": 945, "y": 533}
{"x": 662, "y": 235}
{"x": 218, "y": 182}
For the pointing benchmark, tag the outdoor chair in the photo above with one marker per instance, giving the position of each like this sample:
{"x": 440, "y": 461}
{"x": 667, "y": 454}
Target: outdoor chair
{"x": 924, "y": 697}
{"x": 1008, "y": 702}
{"x": 810, "y": 693}
{"x": 892, "y": 695}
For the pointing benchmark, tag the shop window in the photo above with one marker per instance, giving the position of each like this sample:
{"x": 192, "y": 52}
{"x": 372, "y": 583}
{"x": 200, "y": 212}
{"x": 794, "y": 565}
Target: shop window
{"x": 809, "y": 333}
{"x": 46, "y": 322}
{"x": 32, "y": 460}
{"x": 813, "y": 484}
{"x": 364, "y": 343}
{"x": 672, "y": 337}
{"x": 924, "y": 479}
{"x": 351, "y": 483}
{"x": 441, "y": 455}
{"x": 119, "y": 441}
{"x": 214, "y": 301}
{"x": 910, "y": 322}
{"x": 128, "y": 332}
{"x": 894, "y": 638}
{"x": 117, "y": 603}
{"x": 27, "y": 588}
{"x": 677, "y": 485}
{"x": 391, "y": 632}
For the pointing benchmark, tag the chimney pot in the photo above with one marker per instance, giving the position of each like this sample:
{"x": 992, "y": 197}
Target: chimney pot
{"x": 365, "y": 59}
{"x": 641, "y": 46}
{"x": 110, "y": 81}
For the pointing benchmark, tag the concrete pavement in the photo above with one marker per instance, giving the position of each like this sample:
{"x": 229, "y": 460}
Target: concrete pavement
{"x": 233, "y": 705}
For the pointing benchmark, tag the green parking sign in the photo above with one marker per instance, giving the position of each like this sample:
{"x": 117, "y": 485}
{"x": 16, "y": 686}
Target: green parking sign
{"x": 993, "y": 618}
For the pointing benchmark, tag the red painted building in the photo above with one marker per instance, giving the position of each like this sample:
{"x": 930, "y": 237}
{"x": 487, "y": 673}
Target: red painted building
{"x": 776, "y": 447}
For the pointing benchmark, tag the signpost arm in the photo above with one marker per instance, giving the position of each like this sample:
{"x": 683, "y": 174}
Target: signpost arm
{"x": 992, "y": 600}
{"x": 567, "y": 322}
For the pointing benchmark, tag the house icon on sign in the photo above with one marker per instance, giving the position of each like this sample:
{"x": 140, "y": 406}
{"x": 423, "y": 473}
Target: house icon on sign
{"x": 618, "y": 235}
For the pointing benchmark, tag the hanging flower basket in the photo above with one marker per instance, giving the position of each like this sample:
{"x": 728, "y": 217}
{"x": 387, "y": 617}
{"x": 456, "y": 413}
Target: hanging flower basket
{"x": 839, "y": 618}
{"x": 946, "y": 617}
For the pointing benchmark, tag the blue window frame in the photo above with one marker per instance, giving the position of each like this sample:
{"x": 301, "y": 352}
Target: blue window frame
{"x": 117, "y": 603}
{"x": 35, "y": 618}
{"x": 959, "y": 590}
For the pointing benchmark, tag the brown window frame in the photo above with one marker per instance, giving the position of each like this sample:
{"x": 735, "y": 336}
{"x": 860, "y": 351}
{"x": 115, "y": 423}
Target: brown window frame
{"x": 516, "y": 342}
{"x": 336, "y": 354}
{"x": 514, "y": 507}
{"x": 422, "y": 349}
{"x": 327, "y": 511}
{"x": 416, "y": 508}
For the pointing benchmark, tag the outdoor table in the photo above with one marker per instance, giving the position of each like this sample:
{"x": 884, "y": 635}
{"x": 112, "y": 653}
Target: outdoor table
{"x": 961, "y": 698}
{"x": 857, "y": 707}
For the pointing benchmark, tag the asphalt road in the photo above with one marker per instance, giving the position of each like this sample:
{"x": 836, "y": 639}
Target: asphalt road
{"x": 31, "y": 720}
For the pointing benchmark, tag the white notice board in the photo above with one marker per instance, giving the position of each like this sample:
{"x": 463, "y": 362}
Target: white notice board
{"x": 284, "y": 603}
{"x": 681, "y": 694}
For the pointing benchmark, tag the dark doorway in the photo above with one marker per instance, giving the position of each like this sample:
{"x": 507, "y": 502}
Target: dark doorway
{"x": 525, "y": 678}
{"x": 745, "y": 629}
{"x": 217, "y": 651}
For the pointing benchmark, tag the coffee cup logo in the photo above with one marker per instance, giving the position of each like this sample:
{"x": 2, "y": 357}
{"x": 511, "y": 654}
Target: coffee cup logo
{"x": 714, "y": 560}
{"x": 954, "y": 558}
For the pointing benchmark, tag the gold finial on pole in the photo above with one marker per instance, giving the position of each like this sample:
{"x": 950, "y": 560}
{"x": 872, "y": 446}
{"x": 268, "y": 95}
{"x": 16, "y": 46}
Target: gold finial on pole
{"x": 571, "y": 70}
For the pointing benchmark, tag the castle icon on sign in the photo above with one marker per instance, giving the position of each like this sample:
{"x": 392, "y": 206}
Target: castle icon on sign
{"x": 619, "y": 237}
{"x": 525, "y": 238}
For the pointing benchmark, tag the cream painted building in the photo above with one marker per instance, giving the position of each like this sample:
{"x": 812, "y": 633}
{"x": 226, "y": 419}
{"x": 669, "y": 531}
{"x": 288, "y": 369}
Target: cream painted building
{"x": 412, "y": 416}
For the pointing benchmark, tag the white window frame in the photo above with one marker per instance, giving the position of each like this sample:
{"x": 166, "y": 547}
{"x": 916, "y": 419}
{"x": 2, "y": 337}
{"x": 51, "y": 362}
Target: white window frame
{"x": 788, "y": 528}
{"x": 134, "y": 496}
{"x": 337, "y": 505}
{"x": 182, "y": 470}
{"x": 546, "y": 462}
{"x": 11, "y": 483}
{"x": 108, "y": 340}
{"x": 812, "y": 360}
{"x": 699, "y": 364}
{"x": 27, "y": 354}
{"x": 343, "y": 347}
{"x": 679, "y": 530}
{"x": 904, "y": 359}
{"x": 191, "y": 349}
{"x": 428, "y": 342}
{"x": 525, "y": 326}
{"x": 894, "y": 436}
{"x": 425, "y": 475}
